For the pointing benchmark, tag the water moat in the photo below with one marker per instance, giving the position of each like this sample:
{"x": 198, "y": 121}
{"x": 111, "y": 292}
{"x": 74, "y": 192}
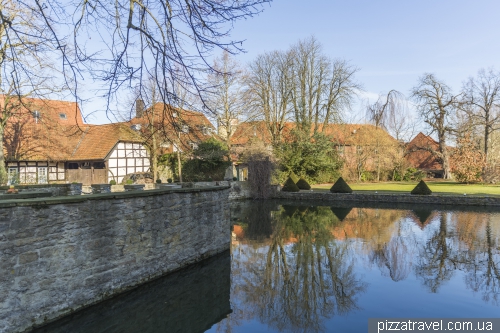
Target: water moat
{"x": 303, "y": 268}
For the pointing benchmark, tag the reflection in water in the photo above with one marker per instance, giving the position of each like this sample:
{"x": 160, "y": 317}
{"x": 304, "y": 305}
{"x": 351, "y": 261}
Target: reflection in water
{"x": 188, "y": 301}
{"x": 298, "y": 268}
{"x": 320, "y": 269}
{"x": 302, "y": 275}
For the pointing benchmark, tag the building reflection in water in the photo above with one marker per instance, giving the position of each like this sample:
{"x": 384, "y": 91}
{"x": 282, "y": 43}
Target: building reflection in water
{"x": 296, "y": 267}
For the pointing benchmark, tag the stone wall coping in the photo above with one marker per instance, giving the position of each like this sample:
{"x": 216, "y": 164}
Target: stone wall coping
{"x": 439, "y": 199}
{"x": 102, "y": 196}
{"x": 21, "y": 186}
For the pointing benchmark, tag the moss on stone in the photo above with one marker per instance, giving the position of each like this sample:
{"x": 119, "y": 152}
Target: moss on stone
{"x": 290, "y": 186}
{"x": 340, "y": 186}
{"x": 303, "y": 184}
{"x": 421, "y": 189}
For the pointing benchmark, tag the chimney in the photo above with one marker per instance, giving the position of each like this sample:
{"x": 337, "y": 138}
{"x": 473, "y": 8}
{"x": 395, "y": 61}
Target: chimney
{"x": 139, "y": 108}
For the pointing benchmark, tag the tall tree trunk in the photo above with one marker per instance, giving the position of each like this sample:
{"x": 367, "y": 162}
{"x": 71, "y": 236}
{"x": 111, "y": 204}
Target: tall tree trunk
{"x": 445, "y": 160}
{"x": 3, "y": 171}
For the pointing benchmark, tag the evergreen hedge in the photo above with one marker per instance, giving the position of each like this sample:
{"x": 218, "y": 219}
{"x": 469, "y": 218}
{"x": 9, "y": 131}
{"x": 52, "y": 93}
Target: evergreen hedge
{"x": 421, "y": 189}
{"x": 341, "y": 186}
{"x": 294, "y": 177}
{"x": 303, "y": 184}
{"x": 290, "y": 186}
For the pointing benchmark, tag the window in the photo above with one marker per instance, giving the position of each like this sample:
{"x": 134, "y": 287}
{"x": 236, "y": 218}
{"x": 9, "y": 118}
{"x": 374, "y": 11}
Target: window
{"x": 185, "y": 129}
{"x": 12, "y": 176}
{"x": 206, "y": 130}
{"x": 42, "y": 175}
{"x": 63, "y": 116}
{"x": 99, "y": 165}
{"x": 193, "y": 145}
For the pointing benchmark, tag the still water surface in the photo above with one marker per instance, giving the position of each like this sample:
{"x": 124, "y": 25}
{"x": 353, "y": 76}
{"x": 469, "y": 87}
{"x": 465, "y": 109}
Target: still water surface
{"x": 320, "y": 269}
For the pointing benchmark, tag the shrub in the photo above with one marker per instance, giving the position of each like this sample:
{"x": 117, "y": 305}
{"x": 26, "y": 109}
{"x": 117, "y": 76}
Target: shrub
{"x": 367, "y": 176}
{"x": 290, "y": 186}
{"x": 169, "y": 180}
{"x": 421, "y": 189}
{"x": 341, "y": 186}
{"x": 129, "y": 182}
{"x": 112, "y": 182}
{"x": 314, "y": 158}
{"x": 293, "y": 177}
{"x": 158, "y": 181}
{"x": 303, "y": 184}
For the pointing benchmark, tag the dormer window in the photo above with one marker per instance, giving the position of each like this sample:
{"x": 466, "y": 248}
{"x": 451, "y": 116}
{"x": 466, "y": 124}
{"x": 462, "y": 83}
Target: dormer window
{"x": 63, "y": 116}
{"x": 206, "y": 130}
{"x": 185, "y": 129}
{"x": 193, "y": 145}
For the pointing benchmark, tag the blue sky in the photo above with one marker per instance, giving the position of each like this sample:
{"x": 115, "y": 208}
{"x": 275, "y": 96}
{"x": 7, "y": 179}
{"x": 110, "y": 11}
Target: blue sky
{"x": 393, "y": 42}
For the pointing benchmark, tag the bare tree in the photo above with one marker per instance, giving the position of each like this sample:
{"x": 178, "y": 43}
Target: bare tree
{"x": 168, "y": 40}
{"x": 270, "y": 87}
{"x": 481, "y": 103}
{"x": 436, "y": 104}
{"x": 27, "y": 51}
{"x": 301, "y": 84}
{"x": 388, "y": 109}
{"x": 226, "y": 100}
{"x": 322, "y": 88}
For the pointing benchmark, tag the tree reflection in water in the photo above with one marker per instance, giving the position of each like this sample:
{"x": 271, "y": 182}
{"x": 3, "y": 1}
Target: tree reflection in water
{"x": 395, "y": 258}
{"x": 294, "y": 266}
{"x": 482, "y": 256}
{"x": 303, "y": 276}
{"x": 438, "y": 259}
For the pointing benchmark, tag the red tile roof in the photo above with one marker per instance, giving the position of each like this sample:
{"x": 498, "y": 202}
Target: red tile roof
{"x": 53, "y": 137}
{"x": 341, "y": 134}
{"x": 418, "y": 154}
{"x": 169, "y": 122}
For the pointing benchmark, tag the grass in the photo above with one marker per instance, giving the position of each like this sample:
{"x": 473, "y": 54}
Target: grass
{"x": 443, "y": 187}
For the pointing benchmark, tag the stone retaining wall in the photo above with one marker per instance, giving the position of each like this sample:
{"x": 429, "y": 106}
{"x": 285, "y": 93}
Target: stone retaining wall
{"x": 54, "y": 189}
{"x": 62, "y": 254}
{"x": 434, "y": 199}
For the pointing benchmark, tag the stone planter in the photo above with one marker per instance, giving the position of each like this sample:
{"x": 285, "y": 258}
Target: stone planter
{"x": 134, "y": 187}
{"x": 101, "y": 188}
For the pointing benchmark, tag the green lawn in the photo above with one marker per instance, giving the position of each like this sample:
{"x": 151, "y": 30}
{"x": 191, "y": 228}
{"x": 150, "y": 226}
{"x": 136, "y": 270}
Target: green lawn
{"x": 436, "y": 187}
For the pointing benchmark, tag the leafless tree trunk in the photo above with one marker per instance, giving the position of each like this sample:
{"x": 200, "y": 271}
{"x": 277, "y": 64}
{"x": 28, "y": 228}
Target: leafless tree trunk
{"x": 226, "y": 98}
{"x": 386, "y": 109}
{"x": 322, "y": 88}
{"x": 301, "y": 84}
{"x": 436, "y": 104}
{"x": 270, "y": 88}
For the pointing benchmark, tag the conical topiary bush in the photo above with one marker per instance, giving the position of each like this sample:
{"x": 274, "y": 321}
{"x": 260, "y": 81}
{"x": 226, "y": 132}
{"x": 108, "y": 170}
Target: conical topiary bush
{"x": 341, "y": 186}
{"x": 294, "y": 177}
{"x": 421, "y": 189}
{"x": 303, "y": 184}
{"x": 290, "y": 186}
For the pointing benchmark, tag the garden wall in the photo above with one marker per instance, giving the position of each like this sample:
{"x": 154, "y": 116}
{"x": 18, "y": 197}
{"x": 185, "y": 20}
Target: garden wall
{"x": 60, "y": 254}
{"x": 391, "y": 198}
